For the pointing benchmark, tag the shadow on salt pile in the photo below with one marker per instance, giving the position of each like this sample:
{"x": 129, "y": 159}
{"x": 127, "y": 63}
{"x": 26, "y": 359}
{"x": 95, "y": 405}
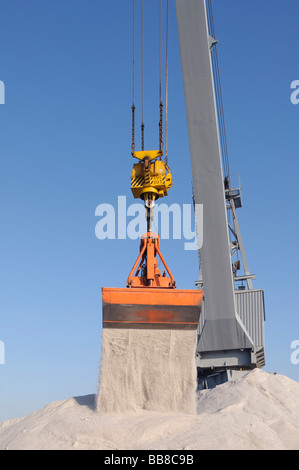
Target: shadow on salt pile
{"x": 87, "y": 400}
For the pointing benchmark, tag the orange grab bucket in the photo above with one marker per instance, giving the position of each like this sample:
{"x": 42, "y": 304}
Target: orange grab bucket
{"x": 151, "y": 299}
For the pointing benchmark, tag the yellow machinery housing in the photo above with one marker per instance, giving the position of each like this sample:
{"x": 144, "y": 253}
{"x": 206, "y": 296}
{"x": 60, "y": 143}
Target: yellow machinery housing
{"x": 150, "y": 175}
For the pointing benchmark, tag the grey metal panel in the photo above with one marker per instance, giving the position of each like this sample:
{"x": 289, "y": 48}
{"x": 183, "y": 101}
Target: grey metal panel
{"x": 251, "y": 313}
{"x": 224, "y": 359}
{"x": 202, "y": 319}
{"x": 251, "y": 309}
{"x": 219, "y": 378}
{"x": 221, "y": 330}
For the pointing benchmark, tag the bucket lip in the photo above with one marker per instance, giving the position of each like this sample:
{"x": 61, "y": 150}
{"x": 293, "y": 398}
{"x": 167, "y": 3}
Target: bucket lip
{"x": 148, "y": 296}
{"x": 148, "y": 290}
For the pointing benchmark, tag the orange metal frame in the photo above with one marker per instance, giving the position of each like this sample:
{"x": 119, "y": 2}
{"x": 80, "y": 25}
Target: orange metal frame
{"x": 147, "y": 273}
{"x": 151, "y": 300}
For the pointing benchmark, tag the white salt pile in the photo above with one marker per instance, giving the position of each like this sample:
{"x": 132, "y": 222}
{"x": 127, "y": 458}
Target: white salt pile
{"x": 258, "y": 411}
{"x": 147, "y": 369}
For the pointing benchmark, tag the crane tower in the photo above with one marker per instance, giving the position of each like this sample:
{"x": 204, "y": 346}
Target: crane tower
{"x": 231, "y": 327}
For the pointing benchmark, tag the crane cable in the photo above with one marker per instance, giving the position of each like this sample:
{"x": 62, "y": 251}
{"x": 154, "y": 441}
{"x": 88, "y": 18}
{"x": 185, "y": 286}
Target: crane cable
{"x": 160, "y": 81}
{"x": 142, "y": 87}
{"x": 160, "y": 78}
{"x": 166, "y": 83}
{"x": 133, "y": 105}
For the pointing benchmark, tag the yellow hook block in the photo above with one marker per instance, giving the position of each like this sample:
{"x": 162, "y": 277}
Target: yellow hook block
{"x": 150, "y": 154}
{"x": 150, "y": 176}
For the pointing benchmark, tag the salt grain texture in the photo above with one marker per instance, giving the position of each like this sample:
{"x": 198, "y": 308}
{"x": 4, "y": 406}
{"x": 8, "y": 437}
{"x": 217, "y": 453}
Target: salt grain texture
{"x": 147, "y": 369}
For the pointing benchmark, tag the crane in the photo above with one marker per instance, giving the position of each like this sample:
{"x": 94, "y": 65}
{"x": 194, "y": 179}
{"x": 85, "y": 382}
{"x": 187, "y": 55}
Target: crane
{"x": 224, "y": 308}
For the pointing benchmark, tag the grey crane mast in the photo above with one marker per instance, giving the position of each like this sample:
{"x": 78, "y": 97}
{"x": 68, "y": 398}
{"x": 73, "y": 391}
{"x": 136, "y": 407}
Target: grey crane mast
{"x": 231, "y": 331}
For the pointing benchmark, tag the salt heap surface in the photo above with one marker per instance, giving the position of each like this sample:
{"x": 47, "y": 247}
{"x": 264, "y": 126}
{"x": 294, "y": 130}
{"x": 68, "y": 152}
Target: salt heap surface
{"x": 257, "y": 411}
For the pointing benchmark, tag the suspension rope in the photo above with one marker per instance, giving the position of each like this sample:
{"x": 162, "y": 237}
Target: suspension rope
{"x": 142, "y": 82}
{"x": 161, "y": 143}
{"x": 160, "y": 78}
{"x": 160, "y": 50}
{"x": 133, "y": 105}
{"x": 166, "y": 84}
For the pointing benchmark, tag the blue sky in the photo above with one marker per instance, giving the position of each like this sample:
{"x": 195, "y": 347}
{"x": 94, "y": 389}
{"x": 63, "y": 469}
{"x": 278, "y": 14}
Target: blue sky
{"x": 65, "y": 148}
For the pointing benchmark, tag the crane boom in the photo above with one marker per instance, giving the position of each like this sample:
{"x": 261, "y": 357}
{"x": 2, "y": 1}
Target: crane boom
{"x": 224, "y": 339}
